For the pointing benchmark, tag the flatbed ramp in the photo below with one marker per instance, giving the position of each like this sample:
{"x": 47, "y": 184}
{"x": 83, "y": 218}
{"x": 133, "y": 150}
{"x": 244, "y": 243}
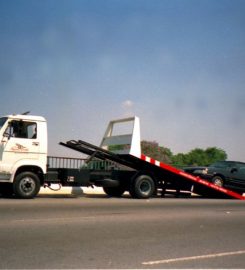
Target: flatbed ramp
{"x": 162, "y": 171}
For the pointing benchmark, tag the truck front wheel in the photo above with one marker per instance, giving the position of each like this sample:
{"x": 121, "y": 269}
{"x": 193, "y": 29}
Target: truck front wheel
{"x": 26, "y": 185}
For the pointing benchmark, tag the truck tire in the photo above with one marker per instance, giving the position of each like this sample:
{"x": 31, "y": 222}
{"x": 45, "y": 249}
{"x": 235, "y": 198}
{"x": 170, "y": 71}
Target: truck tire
{"x": 218, "y": 181}
{"x": 142, "y": 187}
{"x": 26, "y": 185}
{"x": 114, "y": 191}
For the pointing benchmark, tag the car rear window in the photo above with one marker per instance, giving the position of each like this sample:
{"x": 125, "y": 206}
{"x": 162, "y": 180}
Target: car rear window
{"x": 220, "y": 164}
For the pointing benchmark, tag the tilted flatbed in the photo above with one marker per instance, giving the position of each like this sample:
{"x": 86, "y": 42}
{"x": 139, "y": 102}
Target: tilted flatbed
{"x": 146, "y": 174}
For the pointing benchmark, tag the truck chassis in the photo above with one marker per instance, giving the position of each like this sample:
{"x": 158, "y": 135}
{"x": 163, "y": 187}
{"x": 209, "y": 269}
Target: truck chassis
{"x": 24, "y": 168}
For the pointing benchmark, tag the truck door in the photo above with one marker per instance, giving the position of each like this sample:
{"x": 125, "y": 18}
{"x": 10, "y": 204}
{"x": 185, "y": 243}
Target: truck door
{"x": 20, "y": 141}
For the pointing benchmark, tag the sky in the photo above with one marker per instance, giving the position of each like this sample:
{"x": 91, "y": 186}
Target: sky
{"x": 179, "y": 65}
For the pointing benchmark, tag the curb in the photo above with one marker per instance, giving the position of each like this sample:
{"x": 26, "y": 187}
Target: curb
{"x": 56, "y": 190}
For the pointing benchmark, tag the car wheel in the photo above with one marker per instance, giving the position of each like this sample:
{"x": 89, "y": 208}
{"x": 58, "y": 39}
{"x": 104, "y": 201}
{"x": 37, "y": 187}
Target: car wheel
{"x": 218, "y": 181}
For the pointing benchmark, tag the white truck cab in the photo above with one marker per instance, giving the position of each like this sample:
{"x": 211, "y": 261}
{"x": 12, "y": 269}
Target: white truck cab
{"x": 23, "y": 154}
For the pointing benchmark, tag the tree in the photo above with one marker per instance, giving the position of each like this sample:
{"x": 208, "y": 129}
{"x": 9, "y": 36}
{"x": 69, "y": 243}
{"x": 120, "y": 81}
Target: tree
{"x": 200, "y": 157}
{"x": 179, "y": 160}
{"x": 215, "y": 154}
{"x": 153, "y": 150}
{"x": 196, "y": 157}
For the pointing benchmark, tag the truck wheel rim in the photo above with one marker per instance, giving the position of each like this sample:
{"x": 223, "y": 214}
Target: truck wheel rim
{"x": 27, "y": 185}
{"x": 145, "y": 187}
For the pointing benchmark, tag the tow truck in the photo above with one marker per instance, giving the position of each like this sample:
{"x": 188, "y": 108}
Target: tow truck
{"x": 25, "y": 165}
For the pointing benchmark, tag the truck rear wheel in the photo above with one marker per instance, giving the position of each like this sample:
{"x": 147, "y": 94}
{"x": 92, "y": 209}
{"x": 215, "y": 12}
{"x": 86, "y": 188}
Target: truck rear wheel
{"x": 26, "y": 185}
{"x": 142, "y": 187}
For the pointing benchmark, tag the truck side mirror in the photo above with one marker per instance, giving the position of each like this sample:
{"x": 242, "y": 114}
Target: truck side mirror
{"x": 6, "y": 136}
{"x": 9, "y": 132}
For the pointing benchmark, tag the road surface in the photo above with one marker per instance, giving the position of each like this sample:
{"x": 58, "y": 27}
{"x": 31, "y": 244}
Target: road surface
{"x": 99, "y": 232}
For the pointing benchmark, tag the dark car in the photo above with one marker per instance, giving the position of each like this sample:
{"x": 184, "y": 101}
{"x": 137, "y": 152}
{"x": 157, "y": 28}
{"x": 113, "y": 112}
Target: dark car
{"x": 228, "y": 174}
{"x": 199, "y": 170}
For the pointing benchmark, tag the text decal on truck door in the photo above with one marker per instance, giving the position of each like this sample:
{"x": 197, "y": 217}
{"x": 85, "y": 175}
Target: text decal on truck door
{"x": 19, "y": 148}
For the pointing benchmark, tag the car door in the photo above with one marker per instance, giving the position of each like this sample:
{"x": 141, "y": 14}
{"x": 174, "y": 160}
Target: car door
{"x": 238, "y": 176}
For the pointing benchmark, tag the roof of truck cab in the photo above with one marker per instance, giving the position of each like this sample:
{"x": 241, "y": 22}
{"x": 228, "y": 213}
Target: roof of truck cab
{"x": 26, "y": 117}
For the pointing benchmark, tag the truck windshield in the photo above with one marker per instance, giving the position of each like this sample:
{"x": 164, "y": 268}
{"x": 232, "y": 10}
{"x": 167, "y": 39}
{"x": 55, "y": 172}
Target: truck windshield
{"x": 2, "y": 121}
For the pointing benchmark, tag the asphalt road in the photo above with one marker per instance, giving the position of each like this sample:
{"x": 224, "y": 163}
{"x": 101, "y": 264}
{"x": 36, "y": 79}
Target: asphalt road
{"x": 98, "y": 232}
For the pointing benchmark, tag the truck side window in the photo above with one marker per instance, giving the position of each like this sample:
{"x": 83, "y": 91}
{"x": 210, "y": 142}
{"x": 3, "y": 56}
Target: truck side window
{"x": 22, "y": 129}
{"x": 32, "y": 130}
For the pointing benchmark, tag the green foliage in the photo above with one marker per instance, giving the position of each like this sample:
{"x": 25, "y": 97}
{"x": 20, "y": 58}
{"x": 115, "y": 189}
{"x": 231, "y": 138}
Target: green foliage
{"x": 153, "y": 150}
{"x": 118, "y": 147}
{"x": 215, "y": 154}
{"x": 196, "y": 157}
{"x": 200, "y": 157}
{"x": 179, "y": 160}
